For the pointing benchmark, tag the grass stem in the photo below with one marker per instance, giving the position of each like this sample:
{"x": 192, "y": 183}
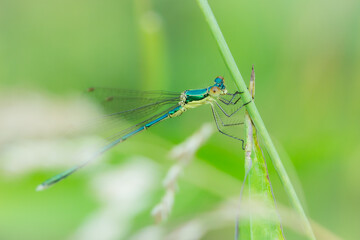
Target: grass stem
{"x": 254, "y": 114}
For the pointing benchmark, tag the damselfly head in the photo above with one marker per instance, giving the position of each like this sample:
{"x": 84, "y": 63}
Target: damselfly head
{"x": 218, "y": 88}
{"x": 219, "y": 82}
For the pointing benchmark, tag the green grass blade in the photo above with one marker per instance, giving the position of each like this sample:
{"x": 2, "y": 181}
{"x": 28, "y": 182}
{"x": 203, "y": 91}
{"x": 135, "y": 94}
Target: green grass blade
{"x": 254, "y": 114}
{"x": 260, "y": 190}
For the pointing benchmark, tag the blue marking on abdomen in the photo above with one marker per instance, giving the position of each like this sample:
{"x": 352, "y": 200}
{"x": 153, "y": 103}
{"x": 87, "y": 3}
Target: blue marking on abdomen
{"x": 133, "y": 132}
{"x": 157, "y": 120}
{"x": 171, "y": 112}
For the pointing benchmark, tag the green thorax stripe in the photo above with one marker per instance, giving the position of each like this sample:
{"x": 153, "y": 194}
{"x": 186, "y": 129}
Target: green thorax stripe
{"x": 196, "y": 95}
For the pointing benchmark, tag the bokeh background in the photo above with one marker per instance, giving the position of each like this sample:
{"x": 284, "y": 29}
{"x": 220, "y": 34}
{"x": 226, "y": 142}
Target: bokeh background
{"x": 306, "y": 56}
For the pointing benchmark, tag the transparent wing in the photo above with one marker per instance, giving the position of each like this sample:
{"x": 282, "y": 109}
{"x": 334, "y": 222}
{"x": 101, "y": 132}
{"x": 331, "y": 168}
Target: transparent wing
{"x": 114, "y": 101}
{"x": 125, "y": 108}
{"x": 116, "y": 139}
{"x": 126, "y": 113}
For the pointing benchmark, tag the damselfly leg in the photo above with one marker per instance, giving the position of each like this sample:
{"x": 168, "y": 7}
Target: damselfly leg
{"x": 231, "y": 101}
{"x": 220, "y": 124}
{"x": 231, "y": 119}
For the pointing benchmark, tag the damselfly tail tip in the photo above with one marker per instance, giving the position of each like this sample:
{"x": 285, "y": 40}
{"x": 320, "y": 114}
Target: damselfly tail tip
{"x": 41, "y": 187}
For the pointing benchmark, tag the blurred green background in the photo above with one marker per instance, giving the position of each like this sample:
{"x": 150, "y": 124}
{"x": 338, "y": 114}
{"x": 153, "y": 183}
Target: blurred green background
{"x": 306, "y": 56}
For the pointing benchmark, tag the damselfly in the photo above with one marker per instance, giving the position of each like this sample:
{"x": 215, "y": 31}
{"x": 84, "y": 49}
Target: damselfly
{"x": 150, "y": 108}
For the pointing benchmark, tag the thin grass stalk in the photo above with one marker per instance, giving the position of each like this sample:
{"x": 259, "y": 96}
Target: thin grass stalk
{"x": 153, "y": 46}
{"x": 254, "y": 114}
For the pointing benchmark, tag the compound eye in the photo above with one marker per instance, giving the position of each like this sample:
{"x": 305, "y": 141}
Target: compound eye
{"x": 219, "y": 80}
{"x": 215, "y": 90}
